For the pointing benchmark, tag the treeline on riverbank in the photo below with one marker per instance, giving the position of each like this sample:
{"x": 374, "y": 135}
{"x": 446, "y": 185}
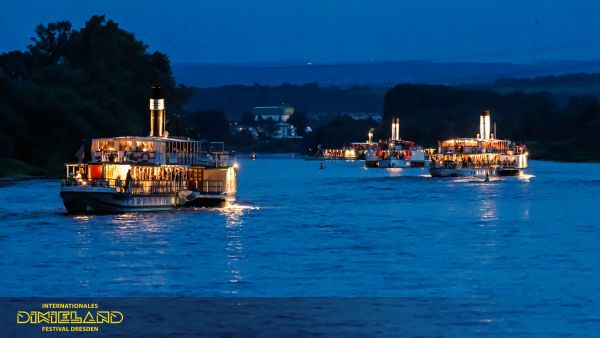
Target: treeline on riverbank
{"x": 71, "y": 85}
{"x": 554, "y": 127}
{"x": 429, "y": 113}
{"x": 75, "y": 84}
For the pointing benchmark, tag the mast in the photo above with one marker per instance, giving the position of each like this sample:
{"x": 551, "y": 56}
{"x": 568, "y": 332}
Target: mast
{"x": 495, "y": 135}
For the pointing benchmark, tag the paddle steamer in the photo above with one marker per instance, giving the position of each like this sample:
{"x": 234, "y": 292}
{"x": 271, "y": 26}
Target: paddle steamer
{"x": 157, "y": 172}
{"x": 396, "y": 153}
{"x": 482, "y": 156}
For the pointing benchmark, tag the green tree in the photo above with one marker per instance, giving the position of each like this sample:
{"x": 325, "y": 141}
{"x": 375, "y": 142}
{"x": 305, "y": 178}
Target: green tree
{"x": 339, "y": 132}
{"x": 16, "y": 64}
{"x": 248, "y": 118}
{"x": 211, "y": 125}
{"x": 299, "y": 120}
{"x": 51, "y": 41}
{"x": 74, "y": 84}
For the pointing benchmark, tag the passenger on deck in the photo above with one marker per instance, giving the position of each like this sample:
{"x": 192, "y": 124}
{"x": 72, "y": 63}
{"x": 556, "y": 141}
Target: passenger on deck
{"x": 128, "y": 180}
{"x": 78, "y": 176}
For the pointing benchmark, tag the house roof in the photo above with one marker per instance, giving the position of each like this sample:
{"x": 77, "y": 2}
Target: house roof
{"x": 273, "y": 110}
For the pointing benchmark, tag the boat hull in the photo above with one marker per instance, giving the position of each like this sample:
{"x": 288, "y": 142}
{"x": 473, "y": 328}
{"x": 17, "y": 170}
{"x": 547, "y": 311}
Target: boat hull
{"x": 111, "y": 202}
{"x": 463, "y": 172}
{"x": 96, "y": 202}
{"x": 510, "y": 172}
{"x": 395, "y": 163}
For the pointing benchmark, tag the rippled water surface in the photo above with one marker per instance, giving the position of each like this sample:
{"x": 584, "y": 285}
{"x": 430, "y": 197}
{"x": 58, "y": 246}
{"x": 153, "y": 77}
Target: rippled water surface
{"x": 528, "y": 247}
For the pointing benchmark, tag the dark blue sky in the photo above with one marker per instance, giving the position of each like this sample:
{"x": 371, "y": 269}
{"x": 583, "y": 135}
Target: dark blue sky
{"x": 226, "y": 31}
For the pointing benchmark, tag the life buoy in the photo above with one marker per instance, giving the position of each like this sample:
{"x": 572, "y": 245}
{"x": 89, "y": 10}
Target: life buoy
{"x": 145, "y": 157}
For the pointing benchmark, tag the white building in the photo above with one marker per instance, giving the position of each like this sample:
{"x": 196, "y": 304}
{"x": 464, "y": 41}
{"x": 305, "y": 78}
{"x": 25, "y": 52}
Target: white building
{"x": 273, "y": 113}
{"x": 283, "y": 130}
{"x": 272, "y": 121}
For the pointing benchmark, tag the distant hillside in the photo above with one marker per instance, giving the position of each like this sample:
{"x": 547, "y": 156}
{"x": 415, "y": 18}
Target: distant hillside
{"x": 374, "y": 73}
{"x": 325, "y": 102}
{"x": 561, "y": 87}
{"x": 319, "y": 102}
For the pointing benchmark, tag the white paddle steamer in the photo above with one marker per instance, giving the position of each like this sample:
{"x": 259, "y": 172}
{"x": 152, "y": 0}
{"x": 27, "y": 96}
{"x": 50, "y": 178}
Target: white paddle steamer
{"x": 156, "y": 172}
{"x": 481, "y": 156}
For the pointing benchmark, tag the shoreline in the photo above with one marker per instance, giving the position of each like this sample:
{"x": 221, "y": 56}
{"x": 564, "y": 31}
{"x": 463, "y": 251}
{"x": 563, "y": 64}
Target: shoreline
{"x": 21, "y": 178}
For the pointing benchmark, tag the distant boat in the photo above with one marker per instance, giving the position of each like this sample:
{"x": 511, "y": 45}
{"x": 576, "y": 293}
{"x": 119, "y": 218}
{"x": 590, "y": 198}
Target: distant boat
{"x": 482, "y": 156}
{"x": 400, "y": 154}
{"x": 253, "y": 156}
{"x": 156, "y": 172}
{"x": 353, "y": 151}
{"x": 396, "y": 153}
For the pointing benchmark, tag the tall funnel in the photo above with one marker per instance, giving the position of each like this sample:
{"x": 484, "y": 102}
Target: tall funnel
{"x": 484, "y": 124}
{"x": 395, "y": 129}
{"x": 158, "y": 116}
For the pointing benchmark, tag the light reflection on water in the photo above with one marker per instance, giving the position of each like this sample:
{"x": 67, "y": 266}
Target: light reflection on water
{"x": 394, "y": 172}
{"x": 487, "y": 208}
{"x": 525, "y": 177}
{"x": 341, "y": 231}
{"x": 84, "y": 240}
{"x": 234, "y": 246}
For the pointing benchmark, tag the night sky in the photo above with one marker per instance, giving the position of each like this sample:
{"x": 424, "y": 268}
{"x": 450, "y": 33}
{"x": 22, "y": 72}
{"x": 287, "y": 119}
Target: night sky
{"x": 238, "y": 31}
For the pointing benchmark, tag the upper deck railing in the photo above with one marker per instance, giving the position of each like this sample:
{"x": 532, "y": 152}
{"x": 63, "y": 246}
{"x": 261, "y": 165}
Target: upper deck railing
{"x": 470, "y": 150}
{"x": 204, "y": 158}
{"x": 144, "y": 187}
{"x": 160, "y": 151}
{"x": 474, "y": 164}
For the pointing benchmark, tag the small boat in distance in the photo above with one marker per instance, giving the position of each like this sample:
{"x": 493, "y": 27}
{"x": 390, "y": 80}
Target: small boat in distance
{"x": 353, "y": 151}
{"x": 396, "y": 153}
{"x": 482, "y": 156}
{"x": 156, "y": 172}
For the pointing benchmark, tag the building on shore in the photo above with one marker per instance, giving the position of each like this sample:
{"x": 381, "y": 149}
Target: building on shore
{"x": 273, "y": 113}
{"x": 272, "y": 122}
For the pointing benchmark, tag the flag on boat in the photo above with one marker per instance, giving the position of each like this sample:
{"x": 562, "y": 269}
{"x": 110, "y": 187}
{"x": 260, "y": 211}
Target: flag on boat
{"x": 80, "y": 154}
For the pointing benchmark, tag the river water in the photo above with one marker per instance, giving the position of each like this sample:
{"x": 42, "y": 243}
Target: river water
{"x": 528, "y": 248}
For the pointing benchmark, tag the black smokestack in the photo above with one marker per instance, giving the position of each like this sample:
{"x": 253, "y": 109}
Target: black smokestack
{"x": 158, "y": 116}
{"x": 157, "y": 93}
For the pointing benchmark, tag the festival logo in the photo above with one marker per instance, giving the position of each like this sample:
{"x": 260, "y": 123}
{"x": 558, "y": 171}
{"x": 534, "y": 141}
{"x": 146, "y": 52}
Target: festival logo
{"x": 69, "y": 317}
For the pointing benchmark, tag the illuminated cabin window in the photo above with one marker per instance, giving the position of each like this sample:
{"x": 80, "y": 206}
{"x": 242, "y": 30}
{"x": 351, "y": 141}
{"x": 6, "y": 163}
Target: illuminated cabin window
{"x": 144, "y": 146}
{"x": 125, "y": 145}
{"x": 106, "y": 145}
